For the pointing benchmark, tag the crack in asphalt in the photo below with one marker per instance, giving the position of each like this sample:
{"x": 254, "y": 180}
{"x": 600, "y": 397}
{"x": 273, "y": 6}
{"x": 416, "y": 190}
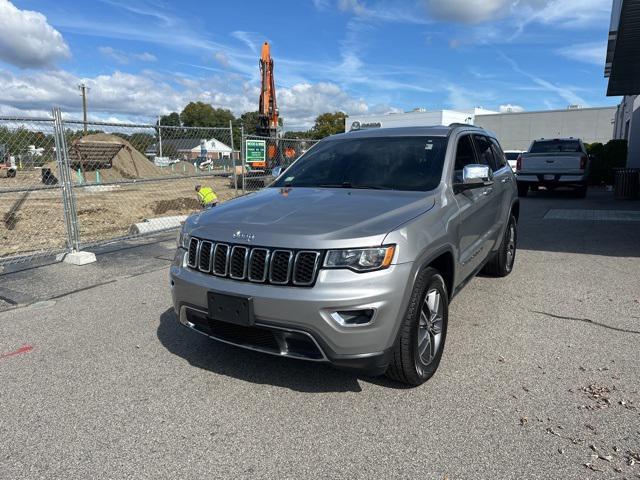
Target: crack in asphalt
{"x": 586, "y": 320}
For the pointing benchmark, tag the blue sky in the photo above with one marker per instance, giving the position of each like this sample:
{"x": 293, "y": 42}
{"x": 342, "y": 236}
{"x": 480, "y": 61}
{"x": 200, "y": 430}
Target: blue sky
{"x": 144, "y": 58}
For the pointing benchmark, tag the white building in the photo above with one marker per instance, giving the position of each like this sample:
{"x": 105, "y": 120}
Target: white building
{"x": 416, "y": 118}
{"x": 515, "y": 130}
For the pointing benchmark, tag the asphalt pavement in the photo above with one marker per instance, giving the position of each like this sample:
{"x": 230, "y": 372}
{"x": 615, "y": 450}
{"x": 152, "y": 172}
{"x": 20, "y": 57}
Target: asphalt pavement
{"x": 540, "y": 377}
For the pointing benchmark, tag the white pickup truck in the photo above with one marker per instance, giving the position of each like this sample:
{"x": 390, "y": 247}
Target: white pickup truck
{"x": 558, "y": 162}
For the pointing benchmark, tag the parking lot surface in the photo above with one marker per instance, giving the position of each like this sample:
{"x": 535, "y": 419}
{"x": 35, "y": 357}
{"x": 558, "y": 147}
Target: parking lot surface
{"x": 540, "y": 377}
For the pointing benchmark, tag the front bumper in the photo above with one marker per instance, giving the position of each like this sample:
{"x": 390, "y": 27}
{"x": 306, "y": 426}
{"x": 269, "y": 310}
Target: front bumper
{"x": 298, "y": 315}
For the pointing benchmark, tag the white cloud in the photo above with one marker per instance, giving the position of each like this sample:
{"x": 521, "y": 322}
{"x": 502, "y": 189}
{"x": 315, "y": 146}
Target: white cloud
{"x": 508, "y": 108}
{"x": 466, "y": 11}
{"x": 593, "y": 53}
{"x": 564, "y": 12}
{"x": 222, "y": 59}
{"x": 146, "y": 95}
{"x": 126, "y": 57}
{"x": 567, "y": 93}
{"x": 27, "y": 40}
{"x": 384, "y": 11}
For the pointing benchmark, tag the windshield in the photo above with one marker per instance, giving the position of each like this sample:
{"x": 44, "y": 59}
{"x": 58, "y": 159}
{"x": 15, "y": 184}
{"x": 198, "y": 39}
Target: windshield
{"x": 386, "y": 163}
{"x": 551, "y": 146}
{"x": 512, "y": 155}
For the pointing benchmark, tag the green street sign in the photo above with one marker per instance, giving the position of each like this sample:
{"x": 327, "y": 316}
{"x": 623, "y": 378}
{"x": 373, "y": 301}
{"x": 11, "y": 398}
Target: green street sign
{"x": 256, "y": 150}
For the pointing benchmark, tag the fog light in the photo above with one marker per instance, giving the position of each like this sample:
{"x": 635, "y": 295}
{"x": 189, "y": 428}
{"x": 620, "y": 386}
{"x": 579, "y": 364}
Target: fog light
{"x": 353, "y": 317}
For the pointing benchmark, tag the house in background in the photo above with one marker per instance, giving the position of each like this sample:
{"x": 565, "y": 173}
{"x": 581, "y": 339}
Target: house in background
{"x": 192, "y": 149}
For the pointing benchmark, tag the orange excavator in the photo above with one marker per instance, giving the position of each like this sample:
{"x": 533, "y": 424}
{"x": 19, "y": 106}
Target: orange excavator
{"x": 268, "y": 107}
{"x": 269, "y": 115}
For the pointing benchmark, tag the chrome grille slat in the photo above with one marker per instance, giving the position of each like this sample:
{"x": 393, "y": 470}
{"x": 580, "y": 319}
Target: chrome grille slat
{"x": 304, "y": 267}
{"x": 238, "y": 262}
{"x": 192, "y": 258}
{"x": 258, "y": 264}
{"x": 221, "y": 258}
{"x": 204, "y": 256}
{"x": 276, "y": 278}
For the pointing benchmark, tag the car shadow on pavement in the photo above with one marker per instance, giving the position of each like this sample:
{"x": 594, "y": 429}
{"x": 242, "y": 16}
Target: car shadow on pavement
{"x": 261, "y": 368}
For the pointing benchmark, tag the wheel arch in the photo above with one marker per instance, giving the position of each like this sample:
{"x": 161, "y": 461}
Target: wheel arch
{"x": 443, "y": 261}
{"x": 515, "y": 210}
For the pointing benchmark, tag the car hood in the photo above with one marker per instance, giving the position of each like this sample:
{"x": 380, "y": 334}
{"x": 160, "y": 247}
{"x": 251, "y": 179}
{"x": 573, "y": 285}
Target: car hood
{"x": 310, "y": 217}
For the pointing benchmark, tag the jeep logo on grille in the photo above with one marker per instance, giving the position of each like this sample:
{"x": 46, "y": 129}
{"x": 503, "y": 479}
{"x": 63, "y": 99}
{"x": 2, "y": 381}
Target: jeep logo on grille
{"x": 247, "y": 237}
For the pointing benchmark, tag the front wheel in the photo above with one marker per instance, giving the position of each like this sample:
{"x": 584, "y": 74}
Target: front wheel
{"x": 502, "y": 262}
{"x": 420, "y": 343}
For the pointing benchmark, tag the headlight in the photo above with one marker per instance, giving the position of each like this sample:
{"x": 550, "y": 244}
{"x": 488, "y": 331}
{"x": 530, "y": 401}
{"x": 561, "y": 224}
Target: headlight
{"x": 360, "y": 259}
{"x": 183, "y": 239}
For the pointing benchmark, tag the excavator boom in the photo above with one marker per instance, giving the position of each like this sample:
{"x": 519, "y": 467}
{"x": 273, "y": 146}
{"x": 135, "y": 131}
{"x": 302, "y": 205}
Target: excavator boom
{"x": 268, "y": 108}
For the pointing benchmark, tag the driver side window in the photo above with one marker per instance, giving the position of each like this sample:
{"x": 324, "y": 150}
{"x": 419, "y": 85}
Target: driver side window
{"x": 464, "y": 156}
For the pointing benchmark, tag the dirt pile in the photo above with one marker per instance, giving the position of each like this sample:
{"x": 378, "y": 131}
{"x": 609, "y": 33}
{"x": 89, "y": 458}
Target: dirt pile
{"x": 127, "y": 164}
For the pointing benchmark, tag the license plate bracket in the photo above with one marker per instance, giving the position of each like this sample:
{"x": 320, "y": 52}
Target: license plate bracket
{"x": 230, "y": 308}
{"x": 549, "y": 177}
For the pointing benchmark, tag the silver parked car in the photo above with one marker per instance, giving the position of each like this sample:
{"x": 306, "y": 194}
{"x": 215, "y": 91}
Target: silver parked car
{"x": 353, "y": 254}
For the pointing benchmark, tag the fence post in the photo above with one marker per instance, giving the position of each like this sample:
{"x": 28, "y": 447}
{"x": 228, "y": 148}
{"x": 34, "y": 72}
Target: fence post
{"x": 233, "y": 160}
{"x": 242, "y": 156}
{"x": 64, "y": 171}
{"x": 159, "y": 137}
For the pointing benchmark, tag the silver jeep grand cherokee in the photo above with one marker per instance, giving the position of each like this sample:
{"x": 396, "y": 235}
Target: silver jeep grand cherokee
{"x": 352, "y": 255}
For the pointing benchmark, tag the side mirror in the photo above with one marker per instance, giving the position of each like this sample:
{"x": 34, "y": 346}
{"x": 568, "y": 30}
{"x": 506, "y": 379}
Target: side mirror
{"x": 475, "y": 176}
{"x": 276, "y": 171}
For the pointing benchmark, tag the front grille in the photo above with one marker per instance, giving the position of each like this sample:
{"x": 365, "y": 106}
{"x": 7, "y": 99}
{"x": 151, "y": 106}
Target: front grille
{"x": 257, "y": 264}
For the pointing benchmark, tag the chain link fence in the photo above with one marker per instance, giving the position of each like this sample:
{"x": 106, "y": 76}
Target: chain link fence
{"x": 264, "y": 158}
{"x": 31, "y": 204}
{"x": 66, "y": 185}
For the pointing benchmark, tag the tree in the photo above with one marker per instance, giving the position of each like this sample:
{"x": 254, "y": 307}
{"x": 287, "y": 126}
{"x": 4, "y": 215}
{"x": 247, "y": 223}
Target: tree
{"x": 200, "y": 114}
{"x": 328, "y": 124}
{"x": 249, "y": 120}
{"x": 171, "y": 120}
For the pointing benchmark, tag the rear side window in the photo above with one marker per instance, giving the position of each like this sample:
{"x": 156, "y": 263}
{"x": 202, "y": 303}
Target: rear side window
{"x": 501, "y": 160}
{"x": 554, "y": 146}
{"x": 512, "y": 155}
{"x": 485, "y": 152}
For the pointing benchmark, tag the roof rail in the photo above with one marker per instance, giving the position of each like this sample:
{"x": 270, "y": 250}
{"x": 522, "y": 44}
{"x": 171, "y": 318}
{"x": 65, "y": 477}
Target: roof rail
{"x": 458, "y": 124}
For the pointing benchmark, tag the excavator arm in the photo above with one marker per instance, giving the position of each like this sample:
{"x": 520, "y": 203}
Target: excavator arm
{"x": 268, "y": 107}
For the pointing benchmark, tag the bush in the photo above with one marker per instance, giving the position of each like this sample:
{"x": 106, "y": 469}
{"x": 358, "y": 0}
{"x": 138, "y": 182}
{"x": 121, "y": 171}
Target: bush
{"x": 605, "y": 159}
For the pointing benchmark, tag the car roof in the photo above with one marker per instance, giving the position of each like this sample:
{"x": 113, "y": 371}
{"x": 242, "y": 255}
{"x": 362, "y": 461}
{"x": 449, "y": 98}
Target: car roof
{"x": 433, "y": 131}
{"x": 560, "y": 139}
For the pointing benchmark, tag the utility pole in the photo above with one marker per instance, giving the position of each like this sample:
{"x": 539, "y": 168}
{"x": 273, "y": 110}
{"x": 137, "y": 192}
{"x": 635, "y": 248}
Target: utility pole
{"x": 83, "y": 90}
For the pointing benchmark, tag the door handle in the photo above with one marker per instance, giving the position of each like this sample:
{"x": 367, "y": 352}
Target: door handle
{"x": 487, "y": 191}
{"x": 505, "y": 180}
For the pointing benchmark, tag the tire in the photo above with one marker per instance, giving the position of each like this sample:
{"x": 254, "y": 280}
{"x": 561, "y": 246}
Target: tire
{"x": 502, "y": 262}
{"x": 417, "y": 330}
{"x": 581, "y": 192}
{"x": 11, "y": 173}
{"x": 523, "y": 188}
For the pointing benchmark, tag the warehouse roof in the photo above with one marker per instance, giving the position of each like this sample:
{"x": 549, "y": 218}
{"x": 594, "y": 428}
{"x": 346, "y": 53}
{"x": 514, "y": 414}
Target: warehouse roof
{"x": 623, "y": 50}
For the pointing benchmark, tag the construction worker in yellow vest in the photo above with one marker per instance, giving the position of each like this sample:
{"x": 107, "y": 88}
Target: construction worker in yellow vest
{"x": 207, "y": 196}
